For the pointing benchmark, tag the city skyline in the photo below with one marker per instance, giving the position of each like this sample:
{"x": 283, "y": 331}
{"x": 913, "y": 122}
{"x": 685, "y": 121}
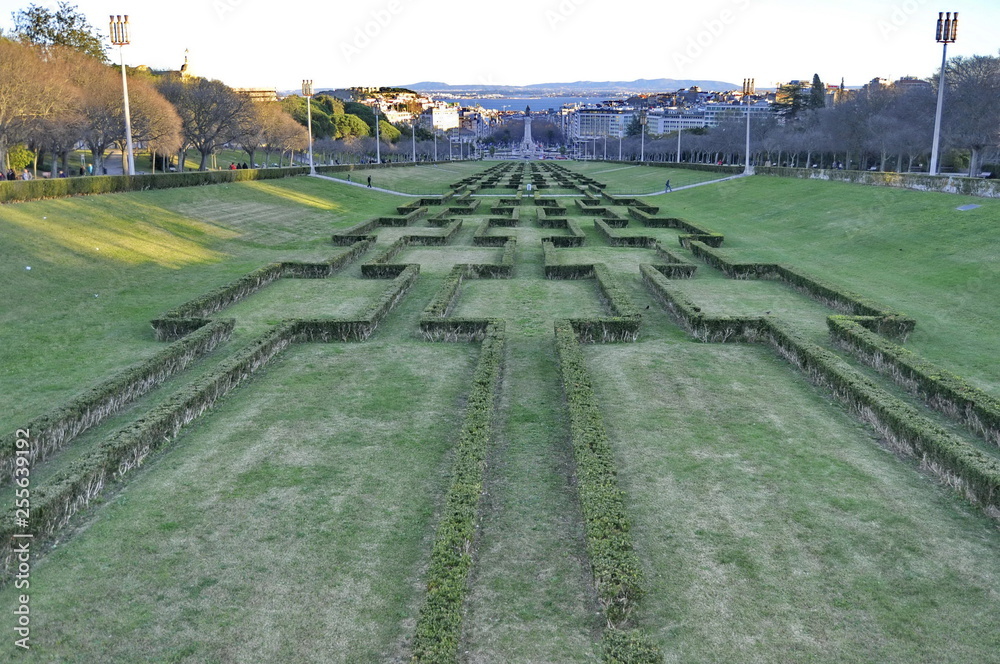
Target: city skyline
{"x": 245, "y": 43}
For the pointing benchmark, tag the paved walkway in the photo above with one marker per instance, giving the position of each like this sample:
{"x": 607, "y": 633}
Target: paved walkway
{"x": 364, "y": 185}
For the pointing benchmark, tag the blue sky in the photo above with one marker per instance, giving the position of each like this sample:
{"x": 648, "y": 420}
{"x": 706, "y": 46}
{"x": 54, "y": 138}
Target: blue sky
{"x": 384, "y": 42}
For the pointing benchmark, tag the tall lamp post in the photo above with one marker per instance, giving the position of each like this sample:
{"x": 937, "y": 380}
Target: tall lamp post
{"x": 947, "y": 31}
{"x": 307, "y": 91}
{"x": 642, "y": 135}
{"x": 679, "y": 130}
{"x": 378, "y": 141}
{"x": 413, "y": 135}
{"x": 747, "y": 169}
{"x": 119, "y": 37}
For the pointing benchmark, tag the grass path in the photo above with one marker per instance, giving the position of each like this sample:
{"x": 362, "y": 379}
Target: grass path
{"x": 532, "y": 598}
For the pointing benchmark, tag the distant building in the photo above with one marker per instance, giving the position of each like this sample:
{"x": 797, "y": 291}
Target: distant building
{"x": 908, "y": 83}
{"x": 440, "y": 118}
{"x": 258, "y": 94}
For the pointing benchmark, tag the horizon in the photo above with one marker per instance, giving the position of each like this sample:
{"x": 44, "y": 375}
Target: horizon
{"x": 378, "y": 43}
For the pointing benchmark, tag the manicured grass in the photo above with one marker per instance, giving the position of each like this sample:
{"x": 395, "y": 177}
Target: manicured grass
{"x": 532, "y": 599}
{"x": 423, "y": 180}
{"x": 291, "y": 525}
{"x": 633, "y": 179}
{"x": 103, "y": 266}
{"x": 773, "y": 529}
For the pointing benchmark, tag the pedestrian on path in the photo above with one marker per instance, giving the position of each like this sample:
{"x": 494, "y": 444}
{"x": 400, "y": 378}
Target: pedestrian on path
{"x": 668, "y": 187}
{"x": 369, "y": 182}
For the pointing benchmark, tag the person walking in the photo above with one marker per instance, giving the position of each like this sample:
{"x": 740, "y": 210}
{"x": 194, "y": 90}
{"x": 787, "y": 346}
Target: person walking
{"x": 369, "y": 182}
{"x": 668, "y": 187}
{"x": 26, "y": 174}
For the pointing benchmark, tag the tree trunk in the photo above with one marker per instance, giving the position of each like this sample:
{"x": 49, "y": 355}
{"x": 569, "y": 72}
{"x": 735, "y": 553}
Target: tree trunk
{"x": 204, "y": 161}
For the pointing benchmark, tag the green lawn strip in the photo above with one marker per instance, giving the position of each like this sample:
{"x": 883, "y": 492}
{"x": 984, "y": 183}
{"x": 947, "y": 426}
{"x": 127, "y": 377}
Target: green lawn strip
{"x": 304, "y": 542}
{"x": 336, "y": 297}
{"x": 438, "y": 627}
{"x": 633, "y": 179}
{"x": 885, "y": 243}
{"x": 772, "y": 529}
{"x": 430, "y": 180}
{"x": 531, "y": 596}
{"x": 617, "y": 574}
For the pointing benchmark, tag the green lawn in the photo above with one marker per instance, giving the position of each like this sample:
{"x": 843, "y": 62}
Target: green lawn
{"x": 635, "y": 179}
{"x": 103, "y": 266}
{"x": 295, "y": 521}
{"x": 291, "y": 525}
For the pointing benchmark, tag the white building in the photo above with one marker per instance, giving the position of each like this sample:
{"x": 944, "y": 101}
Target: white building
{"x": 590, "y": 123}
{"x": 441, "y": 118}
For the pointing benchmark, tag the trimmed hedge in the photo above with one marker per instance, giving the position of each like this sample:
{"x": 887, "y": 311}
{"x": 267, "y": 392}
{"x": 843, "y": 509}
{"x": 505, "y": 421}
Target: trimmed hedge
{"x": 616, "y": 240}
{"x": 939, "y": 388}
{"x": 872, "y": 314}
{"x": 57, "y": 428}
{"x": 31, "y": 190}
{"x": 616, "y": 570}
{"x": 192, "y": 315}
{"x": 439, "y": 622}
{"x": 576, "y": 238}
{"x": 623, "y": 325}
{"x": 629, "y": 646}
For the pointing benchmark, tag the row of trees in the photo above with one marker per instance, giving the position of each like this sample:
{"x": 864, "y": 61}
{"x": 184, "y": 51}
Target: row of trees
{"x": 881, "y": 127}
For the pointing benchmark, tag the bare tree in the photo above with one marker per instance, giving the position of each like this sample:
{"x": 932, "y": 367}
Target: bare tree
{"x": 210, "y": 111}
{"x": 29, "y": 91}
{"x": 971, "y": 99}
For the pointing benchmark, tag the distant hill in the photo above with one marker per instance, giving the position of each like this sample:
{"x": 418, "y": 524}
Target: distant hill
{"x": 639, "y": 85}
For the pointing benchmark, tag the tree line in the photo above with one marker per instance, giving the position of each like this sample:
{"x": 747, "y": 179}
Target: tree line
{"x": 881, "y": 127}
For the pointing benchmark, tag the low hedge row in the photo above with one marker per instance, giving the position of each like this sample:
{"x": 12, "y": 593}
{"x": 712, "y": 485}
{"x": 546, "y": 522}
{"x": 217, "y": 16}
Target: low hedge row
{"x": 622, "y": 325}
{"x": 468, "y": 206}
{"x": 57, "y": 428}
{"x": 941, "y": 389}
{"x": 875, "y": 316}
{"x": 617, "y": 573}
{"x": 191, "y": 315}
{"x": 59, "y": 498}
{"x": 693, "y": 232}
{"x": 629, "y": 646}
{"x": 616, "y": 240}
{"x": 439, "y": 622}
{"x": 359, "y": 329}
{"x": 576, "y": 238}
{"x": 961, "y": 466}
{"x": 31, "y": 190}
{"x": 553, "y": 270}
{"x": 700, "y": 325}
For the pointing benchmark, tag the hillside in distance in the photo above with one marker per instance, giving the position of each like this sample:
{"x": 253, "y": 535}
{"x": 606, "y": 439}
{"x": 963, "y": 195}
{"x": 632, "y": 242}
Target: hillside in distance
{"x": 576, "y": 88}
